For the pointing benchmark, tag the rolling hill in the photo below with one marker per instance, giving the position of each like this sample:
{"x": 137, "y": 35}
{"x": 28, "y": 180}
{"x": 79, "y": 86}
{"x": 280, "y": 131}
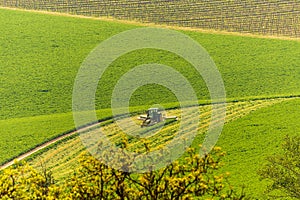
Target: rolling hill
{"x": 41, "y": 54}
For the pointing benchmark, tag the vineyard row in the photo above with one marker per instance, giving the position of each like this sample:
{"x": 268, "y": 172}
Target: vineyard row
{"x": 273, "y": 17}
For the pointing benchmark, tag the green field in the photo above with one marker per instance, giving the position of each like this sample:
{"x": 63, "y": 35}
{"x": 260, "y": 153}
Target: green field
{"x": 39, "y": 62}
{"x": 250, "y": 139}
{"x": 41, "y": 54}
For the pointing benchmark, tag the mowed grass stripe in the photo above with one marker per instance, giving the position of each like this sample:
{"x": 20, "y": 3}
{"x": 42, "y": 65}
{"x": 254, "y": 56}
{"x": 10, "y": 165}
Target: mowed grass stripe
{"x": 117, "y": 134}
{"x": 242, "y": 111}
{"x": 204, "y": 123}
{"x": 53, "y": 153}
{"x": 204, "y": 113}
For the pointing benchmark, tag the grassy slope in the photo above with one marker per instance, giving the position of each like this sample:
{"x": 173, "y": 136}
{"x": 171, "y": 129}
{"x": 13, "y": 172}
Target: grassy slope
{"x": 255, "y": 67}
{"x": 21, "y": 134}
{"x": 40, "y": 55}
{"x": 250, "y": 139}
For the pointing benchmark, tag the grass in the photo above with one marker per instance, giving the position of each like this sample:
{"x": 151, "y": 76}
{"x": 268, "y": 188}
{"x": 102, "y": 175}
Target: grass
{"x": 40, "y": 56}
{"x": 250, "y": 139}
{"x": 21, "y": 134}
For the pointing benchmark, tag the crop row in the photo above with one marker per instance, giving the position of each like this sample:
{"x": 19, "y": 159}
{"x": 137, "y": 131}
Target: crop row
{"x": 272, "y": 17}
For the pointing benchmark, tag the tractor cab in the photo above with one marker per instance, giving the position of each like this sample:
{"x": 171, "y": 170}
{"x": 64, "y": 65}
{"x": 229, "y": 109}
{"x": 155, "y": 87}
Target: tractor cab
{"x": 154, "y": 116}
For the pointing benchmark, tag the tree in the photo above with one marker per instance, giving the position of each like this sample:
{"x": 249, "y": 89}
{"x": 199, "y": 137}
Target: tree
{"x": 284, "y": 170}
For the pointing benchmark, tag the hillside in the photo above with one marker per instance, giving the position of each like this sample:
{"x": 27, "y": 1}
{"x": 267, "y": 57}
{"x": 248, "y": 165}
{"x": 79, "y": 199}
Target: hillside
{"x": 41, "y": 54}
{"x": 40, "y": 60}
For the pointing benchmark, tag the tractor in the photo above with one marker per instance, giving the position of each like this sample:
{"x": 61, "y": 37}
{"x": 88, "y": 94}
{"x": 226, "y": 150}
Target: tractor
{"x": 154, "y": 116}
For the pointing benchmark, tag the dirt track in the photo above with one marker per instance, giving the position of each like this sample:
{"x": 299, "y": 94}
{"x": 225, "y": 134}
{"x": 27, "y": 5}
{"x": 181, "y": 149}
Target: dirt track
{"x": 45, "y": 145}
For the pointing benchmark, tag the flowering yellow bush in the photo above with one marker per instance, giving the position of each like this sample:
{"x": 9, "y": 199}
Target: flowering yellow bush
{"x": 23, "y": 182}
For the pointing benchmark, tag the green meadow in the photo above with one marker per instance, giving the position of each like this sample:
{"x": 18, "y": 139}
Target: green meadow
{"x": 41, "y": 54}
{"x": 249, "y": 140}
